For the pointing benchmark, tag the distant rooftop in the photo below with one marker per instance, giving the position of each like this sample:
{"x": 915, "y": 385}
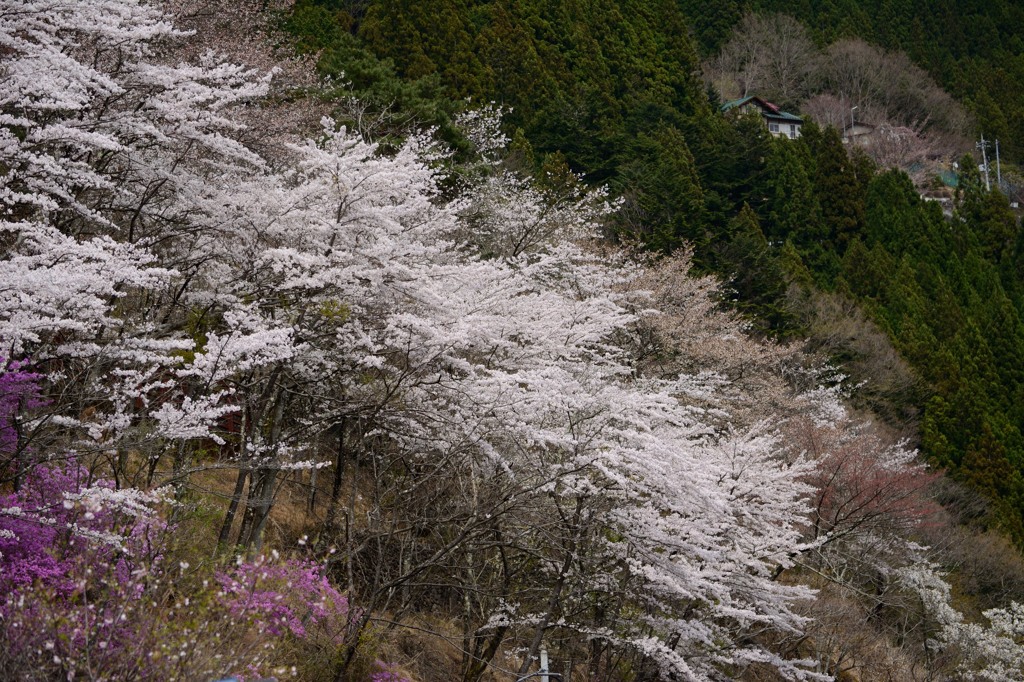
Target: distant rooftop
{"x": 767, "y": 108}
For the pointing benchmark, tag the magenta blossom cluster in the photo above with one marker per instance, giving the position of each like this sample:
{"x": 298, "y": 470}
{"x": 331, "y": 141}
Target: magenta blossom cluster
{"x": 386, "y": 673}
{"x": 37, "y": 545}
{"x": 75, "y": 556}
{"x": 19, "y": 392}
{"x": 61, "y": 525}
{"x": 286, "y": 596}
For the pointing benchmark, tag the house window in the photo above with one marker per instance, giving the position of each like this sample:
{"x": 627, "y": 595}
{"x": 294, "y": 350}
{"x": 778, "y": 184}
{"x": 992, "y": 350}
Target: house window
{"x": 792, "y": 131}
{"x": 773, "y": 128}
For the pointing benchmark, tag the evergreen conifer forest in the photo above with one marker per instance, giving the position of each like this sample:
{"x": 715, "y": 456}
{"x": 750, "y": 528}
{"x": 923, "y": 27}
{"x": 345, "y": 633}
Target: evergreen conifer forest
{"x": 402, "y": 341}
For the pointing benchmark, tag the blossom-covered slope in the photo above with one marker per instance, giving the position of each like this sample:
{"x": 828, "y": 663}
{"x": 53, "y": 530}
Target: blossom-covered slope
{"x": 491, "y": 412}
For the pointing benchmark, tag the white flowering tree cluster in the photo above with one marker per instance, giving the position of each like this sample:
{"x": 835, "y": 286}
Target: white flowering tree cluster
{"x": 564, "y": 444}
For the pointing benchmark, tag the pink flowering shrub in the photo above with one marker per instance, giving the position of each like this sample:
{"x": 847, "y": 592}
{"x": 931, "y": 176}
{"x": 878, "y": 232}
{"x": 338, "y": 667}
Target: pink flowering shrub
{"x": 19, "y": 392}
{"x": 57, "y": 520}
{"x": 31, "y": 525}
{"x": 97, "y": 591}
{"x": 284, "y": 597}
{"x": 75, "y": 558}
{"x": 386, "y": 673}
{"x": 58, "y": 524}
{"x": 94, "y": 585}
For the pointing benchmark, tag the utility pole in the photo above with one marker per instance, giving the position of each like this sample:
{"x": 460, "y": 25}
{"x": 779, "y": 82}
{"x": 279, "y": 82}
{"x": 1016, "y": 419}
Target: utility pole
{"x": 983, "y": 146}
{"x": 999, "y": 172}
{"x": 853, "y": 124}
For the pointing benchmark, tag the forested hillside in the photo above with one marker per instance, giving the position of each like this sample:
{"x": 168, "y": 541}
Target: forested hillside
{"x": 610, "y": 90}
{"x": 395, "y": 341}
{"x": 974, "y": 49}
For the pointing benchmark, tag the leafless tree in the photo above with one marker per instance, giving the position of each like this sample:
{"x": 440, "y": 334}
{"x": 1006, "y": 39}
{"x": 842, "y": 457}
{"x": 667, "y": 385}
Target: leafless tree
{"x": 887, "y": 87}
{"x": 915, "y": 120}
{"x": 769, "y": 55}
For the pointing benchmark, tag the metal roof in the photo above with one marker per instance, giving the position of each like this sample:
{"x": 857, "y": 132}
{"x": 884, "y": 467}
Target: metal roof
{"x": 768, "y": 110}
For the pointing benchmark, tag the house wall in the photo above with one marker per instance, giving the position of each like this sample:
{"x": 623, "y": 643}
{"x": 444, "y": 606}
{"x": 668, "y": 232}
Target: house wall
{"x": 782, "y": 128}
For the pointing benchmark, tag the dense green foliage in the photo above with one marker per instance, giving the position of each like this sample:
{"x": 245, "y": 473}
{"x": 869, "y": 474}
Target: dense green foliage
{"x": 609, "y": 87}
{"x": 948, "y": 293}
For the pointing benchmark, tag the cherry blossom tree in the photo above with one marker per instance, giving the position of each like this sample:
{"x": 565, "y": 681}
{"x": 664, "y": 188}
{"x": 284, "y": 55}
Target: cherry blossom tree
{"x": 568, "y": 442}
{"x": 102, "y": 144}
